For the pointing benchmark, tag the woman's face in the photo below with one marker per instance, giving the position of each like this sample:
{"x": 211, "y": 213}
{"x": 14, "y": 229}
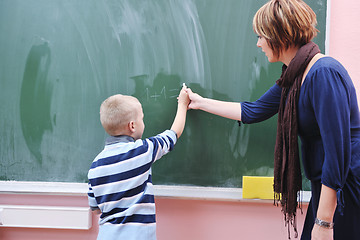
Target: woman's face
{"x": 263, "y": 44}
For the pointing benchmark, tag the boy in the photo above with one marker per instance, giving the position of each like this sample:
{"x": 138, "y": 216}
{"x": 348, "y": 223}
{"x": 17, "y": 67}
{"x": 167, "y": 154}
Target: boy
{"x": 120, "y": 185}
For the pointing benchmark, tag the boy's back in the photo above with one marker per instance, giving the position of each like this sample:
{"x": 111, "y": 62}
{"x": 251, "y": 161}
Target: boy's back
{"x": 120, "y": 185}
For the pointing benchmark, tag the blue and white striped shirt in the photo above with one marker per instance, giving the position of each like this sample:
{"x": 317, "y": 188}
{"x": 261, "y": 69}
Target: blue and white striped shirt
{"x": 120, "y": 185}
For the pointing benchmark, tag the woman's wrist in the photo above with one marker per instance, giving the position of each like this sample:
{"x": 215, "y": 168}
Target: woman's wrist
{"x": 327, "y": 204}
{"x": 324, "y": 224}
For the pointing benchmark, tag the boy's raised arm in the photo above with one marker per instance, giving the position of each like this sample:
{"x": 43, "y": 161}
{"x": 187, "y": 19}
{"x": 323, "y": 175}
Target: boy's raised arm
{"x": 180, "y": 118}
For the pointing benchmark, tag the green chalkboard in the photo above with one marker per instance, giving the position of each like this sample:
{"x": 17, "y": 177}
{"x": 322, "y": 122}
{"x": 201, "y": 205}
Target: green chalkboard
{"x": 60, "y": 59}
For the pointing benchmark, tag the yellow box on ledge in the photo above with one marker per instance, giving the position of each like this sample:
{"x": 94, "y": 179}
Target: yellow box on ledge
{"x": 258, "y": 187}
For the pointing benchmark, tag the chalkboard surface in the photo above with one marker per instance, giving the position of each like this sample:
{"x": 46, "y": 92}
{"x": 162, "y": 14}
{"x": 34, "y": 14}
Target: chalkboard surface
{"x": 60, "y": 59}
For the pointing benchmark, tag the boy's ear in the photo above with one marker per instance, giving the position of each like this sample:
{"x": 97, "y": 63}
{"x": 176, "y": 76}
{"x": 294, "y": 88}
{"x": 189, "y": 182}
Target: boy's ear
{"x": 131, "y": 126}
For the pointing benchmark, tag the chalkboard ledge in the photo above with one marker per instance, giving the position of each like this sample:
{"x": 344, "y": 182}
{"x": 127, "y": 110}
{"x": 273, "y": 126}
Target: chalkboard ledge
{"x": 211, "y": 193}
{"x": 46, "y": 188}
{"x": 161, "y": 191}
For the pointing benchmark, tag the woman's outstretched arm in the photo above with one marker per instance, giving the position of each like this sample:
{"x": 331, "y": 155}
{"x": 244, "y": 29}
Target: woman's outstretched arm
{"x": 231, "y": 110}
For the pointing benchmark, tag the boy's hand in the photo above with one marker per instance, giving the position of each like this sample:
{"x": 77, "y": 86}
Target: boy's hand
{"x": 183, "y": 96}
{"x": 180, "y": 118}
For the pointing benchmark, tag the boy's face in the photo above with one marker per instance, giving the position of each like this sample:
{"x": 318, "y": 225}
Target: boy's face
{"x": 139, "y": 123}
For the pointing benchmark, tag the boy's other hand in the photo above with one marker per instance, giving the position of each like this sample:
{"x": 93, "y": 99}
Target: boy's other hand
{"x": 184, "y": 97}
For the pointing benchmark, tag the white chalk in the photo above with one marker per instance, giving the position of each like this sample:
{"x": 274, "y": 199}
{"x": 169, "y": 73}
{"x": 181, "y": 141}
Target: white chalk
{"x": 184, "y": 85}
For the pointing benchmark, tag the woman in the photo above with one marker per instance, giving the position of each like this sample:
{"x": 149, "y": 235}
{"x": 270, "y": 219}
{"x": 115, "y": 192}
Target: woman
{"x": 316, "y": 100}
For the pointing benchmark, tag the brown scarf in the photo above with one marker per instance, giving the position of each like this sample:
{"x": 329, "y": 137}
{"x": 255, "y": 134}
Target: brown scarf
{"x": 287, "y": 173}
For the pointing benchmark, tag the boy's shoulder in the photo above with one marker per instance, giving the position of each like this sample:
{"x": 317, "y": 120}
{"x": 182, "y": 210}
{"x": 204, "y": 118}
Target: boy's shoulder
{"x": 170, "y": 134}
{"x": 117, "y": 145}
{"x": 128, "y": 139}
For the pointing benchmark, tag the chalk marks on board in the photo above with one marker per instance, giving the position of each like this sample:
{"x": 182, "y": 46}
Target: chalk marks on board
{"x": 158, "y": 36}
{"x": 150, "y": 94}
{"x": 162, "y": 88}
{"x": 35, "y": 98}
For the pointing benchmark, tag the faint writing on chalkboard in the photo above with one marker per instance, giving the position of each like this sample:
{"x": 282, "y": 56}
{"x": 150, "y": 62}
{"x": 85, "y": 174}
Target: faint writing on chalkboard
{"x": 150, "y": 94}
{"x": 163, "y": 87}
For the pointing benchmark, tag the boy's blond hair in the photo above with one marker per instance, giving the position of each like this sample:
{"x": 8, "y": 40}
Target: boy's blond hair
{"x": 285, "y": 23}
{"x": 117, "y": 111}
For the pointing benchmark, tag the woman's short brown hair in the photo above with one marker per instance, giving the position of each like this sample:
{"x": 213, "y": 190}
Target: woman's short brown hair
{"x": 285, "y": 23}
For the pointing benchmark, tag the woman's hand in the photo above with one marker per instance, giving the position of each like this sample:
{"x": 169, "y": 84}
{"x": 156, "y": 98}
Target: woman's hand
{"x": 195, "y": 99}
{"x": 320, "y": 233}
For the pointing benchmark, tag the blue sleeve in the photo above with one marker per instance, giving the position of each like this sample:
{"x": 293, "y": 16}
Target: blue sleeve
{"x": 162, "y": 143}
{"x": 330, "y": 94}
{"x": 91, "y": 198}
{"x": 263, "y": 108}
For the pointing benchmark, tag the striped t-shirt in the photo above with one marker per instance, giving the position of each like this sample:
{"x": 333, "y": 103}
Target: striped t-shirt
{"x": 120, "y": 185}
